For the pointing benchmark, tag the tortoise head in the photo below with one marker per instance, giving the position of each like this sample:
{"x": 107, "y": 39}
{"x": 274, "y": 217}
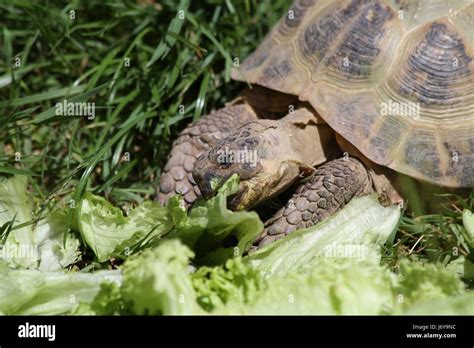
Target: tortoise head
{"x": 261, "y": 154}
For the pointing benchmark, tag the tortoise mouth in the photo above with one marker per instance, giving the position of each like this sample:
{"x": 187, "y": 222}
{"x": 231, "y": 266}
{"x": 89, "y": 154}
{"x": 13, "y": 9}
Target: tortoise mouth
{"x": 240, "y": 200}
{"x": 237, "y": 201}
{"x": 232, "y": 202}
{"x": 209, "y": 182}
{"x": 245, "y": 198}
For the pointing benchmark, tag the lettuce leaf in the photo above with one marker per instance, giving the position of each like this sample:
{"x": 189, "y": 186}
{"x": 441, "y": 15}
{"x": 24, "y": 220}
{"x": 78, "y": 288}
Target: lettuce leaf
{"x": 19, "y": 249}
{"x": 331, "y": 268}
{"x": 207, "y": 228}
{"x": 468, "y": 222}
{"x": 40, "y": 246}
{"x": 355, "y": 232}
{"x": 454, "y": 305}
{"x": 331, "y": 287}
{"x": 419, "y": 282}
{"x": 157, "y": 281}
{"x": 210, "y": 226}
{"x": 431, "y": 289}
{"x": 108, "y": 301}
{"x": 55, "y": 253}
{"x": 109, "y": 233}
{"x": 33, "y": 292}
{"x": 154, "y": 282}
{"x": 235, "y": 282}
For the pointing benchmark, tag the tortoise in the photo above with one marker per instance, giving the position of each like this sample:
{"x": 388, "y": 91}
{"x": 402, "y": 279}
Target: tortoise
{"x": 344, "y": 95}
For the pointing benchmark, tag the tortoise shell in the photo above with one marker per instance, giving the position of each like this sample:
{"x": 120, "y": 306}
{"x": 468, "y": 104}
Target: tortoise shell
{"x": 394, "y": 77}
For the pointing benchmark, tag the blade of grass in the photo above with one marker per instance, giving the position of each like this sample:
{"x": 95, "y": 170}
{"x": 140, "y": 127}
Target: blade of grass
{"x": 168, "y": 42}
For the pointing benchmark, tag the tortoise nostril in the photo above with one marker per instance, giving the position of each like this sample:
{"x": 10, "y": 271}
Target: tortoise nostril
{"x": 208, "y": 183}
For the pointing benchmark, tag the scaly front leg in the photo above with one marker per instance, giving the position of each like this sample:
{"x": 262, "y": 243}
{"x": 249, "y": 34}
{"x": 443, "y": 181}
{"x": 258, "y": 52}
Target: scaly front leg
{"x": 332, "y": 186}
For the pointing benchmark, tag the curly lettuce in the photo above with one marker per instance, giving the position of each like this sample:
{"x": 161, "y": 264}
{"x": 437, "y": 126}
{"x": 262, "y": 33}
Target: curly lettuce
{"x": 46, "y": 244}
{"x": 212, "y": 231}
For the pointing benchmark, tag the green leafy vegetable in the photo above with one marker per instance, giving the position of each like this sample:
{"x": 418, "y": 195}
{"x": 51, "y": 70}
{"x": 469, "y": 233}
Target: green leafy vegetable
{"x": 109, "y": 233}
{"x": 344, "y": 286}
{"x": 354, "y": 232}
{"x": 19, "y": 247}
{"x": 32, "y": 292}
{"x": 420, "y": 282}
{"x": 331, "y": 286}
{"x": 209, "y": 225}
{"x": 233, "y": 282}
{"x": 158, "y": 282}
{"x": 39, "y": 245}
{"x": 55, "y": 253}
{"x": 455, "y": 305}
{"x": 108, "y": 301}
{"x": 205, "y": 229}
{"x": 331, "y": 268}
{"x": 468, "y": 222}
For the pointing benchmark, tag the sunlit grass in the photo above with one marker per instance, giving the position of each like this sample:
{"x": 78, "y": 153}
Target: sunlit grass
{"x": 149, "y": 67}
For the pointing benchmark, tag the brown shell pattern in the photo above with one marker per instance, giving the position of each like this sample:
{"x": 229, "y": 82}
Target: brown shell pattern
{"x": 393, "y": 77}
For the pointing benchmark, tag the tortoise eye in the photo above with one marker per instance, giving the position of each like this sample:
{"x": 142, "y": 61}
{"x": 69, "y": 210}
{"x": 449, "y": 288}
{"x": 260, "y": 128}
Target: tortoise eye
{"x": 245, "y": 134}
{"x": 224, "y": 165}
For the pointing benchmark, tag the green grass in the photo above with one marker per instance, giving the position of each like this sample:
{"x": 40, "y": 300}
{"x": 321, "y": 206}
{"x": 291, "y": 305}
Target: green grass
{"x": 149, "y": 72}
{"x": 439, "y": 237}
